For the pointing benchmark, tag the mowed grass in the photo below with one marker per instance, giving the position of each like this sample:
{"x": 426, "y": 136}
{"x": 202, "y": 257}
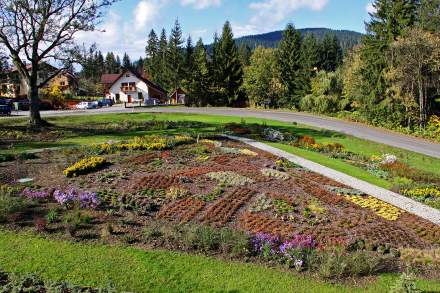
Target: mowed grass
{"x": 136, "y": 270}
{"x": 210, "y": 122}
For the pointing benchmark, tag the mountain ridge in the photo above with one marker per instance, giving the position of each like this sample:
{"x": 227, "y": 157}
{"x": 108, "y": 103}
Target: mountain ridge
{"x": 347, "y": 38}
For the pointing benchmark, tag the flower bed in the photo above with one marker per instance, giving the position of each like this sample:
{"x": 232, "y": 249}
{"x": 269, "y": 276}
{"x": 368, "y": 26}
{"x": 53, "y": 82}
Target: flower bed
{"x": 85, "y": 166}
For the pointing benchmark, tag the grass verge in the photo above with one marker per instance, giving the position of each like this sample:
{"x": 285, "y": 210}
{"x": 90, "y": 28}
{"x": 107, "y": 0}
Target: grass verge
{"x": 135, "y": 270}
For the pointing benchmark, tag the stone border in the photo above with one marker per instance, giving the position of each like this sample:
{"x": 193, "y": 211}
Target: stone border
{"x": 395, "y": 199}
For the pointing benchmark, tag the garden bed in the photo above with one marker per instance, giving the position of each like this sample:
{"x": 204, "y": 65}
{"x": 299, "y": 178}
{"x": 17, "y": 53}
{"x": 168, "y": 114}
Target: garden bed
{"x": 149, "y": 187}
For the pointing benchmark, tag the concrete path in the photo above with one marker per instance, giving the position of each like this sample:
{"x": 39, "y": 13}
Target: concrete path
{"x": 400, "y": 201}
{"x": 375, "y": 134}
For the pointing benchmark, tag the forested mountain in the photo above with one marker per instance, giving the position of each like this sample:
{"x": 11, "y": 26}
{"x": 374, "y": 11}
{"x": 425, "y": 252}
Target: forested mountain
{"x": 346, "y": 38}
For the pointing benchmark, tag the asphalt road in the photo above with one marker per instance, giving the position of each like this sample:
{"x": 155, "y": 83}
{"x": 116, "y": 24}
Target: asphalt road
{"x": 355, "y": 129}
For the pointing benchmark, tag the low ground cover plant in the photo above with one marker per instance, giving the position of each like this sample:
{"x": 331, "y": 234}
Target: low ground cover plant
{"x": 85, "y": 166}
{"x": 10, "y": 282}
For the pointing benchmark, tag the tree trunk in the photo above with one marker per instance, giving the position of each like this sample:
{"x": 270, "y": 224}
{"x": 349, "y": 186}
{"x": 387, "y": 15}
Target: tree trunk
{"x": 422, "y": 103}
{"x": 34, "y": 107}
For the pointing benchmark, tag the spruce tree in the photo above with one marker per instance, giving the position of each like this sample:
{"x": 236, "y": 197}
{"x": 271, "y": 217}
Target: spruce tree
{"x": 291, "y": 69}
{"x": 310, "y": 55}
{"x": 175, "y": 57}
{"x": 389, "y": 22}
{"x": 126, "y": 62}
{"x": 111, "y": 65}
{"x": 244, "y": 53}
{"x": 162, "y": 77}
{"x": 330, "y": 53}
{"x": 152, "y": 55}
{"x": 231, "y": 71}
{"x": 198, "y": 88}
{"x": 189, "y": 56}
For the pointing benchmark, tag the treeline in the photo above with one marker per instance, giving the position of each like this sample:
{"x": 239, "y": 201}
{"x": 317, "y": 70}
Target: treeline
{"x": 221, "y": 76}
{"x": 391, "y": 79}
{"x": 347, "y": 39}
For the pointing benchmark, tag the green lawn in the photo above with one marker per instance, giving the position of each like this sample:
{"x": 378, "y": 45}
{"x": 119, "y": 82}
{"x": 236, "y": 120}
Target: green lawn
{"x": 135, "y": 270}
{"x": 353, "y": 144}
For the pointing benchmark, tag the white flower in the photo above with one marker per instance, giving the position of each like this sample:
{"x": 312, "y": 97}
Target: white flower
{"x": 388, "y": 159}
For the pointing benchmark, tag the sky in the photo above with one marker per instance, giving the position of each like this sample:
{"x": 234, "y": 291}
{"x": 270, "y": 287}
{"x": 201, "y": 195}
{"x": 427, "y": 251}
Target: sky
{"x": 126, "y": 24}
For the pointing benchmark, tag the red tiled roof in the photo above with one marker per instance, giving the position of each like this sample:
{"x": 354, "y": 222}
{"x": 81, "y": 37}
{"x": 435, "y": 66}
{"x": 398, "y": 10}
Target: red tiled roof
{"x": 109, "y": 78}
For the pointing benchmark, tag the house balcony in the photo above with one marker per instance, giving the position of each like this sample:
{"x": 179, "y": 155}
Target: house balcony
{"x": 127, "y": 89}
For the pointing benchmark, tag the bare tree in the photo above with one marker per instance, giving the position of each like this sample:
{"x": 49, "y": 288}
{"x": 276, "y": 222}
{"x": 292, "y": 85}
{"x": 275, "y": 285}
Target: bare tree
{"x": 38, "y": 31}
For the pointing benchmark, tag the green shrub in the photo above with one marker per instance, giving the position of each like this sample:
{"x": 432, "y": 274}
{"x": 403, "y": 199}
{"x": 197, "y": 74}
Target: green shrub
{"x": 10, "y": 202}
{"x": 338, "y": 263}
{"x": 52, "y": 216}
{"x": 405, "y": 284}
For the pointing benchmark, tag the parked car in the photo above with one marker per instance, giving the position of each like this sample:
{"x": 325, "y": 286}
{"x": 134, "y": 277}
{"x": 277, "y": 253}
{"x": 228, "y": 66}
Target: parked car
{"x": 6, "y": 102}
{"x": 97, "y": 104}
{"x": 86, "y": 105}
{"x": 106, "y": 102}
{"x": 5, "y": 110}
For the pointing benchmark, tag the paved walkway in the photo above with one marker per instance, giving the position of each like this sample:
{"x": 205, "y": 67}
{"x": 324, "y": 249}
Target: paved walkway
{"x": 400, "y": 201}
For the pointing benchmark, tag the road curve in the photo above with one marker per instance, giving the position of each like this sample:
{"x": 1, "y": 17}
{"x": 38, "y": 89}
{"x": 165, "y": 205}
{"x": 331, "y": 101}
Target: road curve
{"x": 375, "y": 134}
{"x": 379, "y": 135}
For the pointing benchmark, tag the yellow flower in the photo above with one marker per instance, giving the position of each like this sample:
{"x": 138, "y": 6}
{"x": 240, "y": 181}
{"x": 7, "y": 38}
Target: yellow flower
{"x": 379, "y": 207}
{"x": 84, "y": 166}
{"x": 248, "y": 152}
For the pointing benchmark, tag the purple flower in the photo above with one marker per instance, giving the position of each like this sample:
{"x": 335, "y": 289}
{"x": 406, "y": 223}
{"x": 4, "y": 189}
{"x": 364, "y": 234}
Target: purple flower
{"x": 71, "y": 196}
{"x": 33, "y": 194}
{"x": 88, "y": 200}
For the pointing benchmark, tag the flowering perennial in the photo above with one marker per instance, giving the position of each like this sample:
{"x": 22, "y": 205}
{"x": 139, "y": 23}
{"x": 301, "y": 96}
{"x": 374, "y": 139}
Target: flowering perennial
{"x": 84, "y": 166}
{"x": 85, "y": 199}
{"x": 34, "y": 194}
{"x": 294, "y": 251}
{"x": 379, "y": 207}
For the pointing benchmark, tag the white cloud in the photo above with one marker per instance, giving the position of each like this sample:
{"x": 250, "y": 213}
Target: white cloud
{"x": 370, "y": 8}
{"x": 145, "y": 13}
{"x": 201, "y": 4}
{"x": 269, "y": 13}
{"x": 244, "y": 30}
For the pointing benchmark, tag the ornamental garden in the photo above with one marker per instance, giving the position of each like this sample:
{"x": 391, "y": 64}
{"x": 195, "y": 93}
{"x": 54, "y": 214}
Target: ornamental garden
{"x": 204, "y": 193}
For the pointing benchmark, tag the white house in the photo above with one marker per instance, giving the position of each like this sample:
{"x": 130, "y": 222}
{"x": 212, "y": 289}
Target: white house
{"x": 131, "y": 87}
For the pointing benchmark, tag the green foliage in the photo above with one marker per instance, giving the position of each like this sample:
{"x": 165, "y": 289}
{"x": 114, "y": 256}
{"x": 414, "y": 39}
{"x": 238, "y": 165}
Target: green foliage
{"x": 337, "y": 263}
{"x": 10, "y": 202}
{"x": 325, "y": 94}
{"x": 262, "y": 79}
{"x": 405, "y": 284}
{"x": 289, "y": 63}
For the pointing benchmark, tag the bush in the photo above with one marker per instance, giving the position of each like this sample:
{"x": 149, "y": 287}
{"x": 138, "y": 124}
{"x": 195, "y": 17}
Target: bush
{"x": 405, "y": 284}
{"x": 338, "y": 263}
{"x": 10, "y": 203}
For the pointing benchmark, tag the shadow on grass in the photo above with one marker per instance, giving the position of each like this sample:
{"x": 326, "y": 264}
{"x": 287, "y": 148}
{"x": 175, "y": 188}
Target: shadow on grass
{"x": 90, "y": 129}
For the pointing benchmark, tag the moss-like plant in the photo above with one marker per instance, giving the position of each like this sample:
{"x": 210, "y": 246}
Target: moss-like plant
{"x": 230, "y": 178}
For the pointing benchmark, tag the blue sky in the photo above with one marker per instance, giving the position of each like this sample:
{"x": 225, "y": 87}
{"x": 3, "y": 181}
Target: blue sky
{"x": 128, "y": 22}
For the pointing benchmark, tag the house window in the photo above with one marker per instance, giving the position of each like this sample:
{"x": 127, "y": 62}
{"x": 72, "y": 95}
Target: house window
{"x": 132, "y": 84}
{"x": 127, "y": 75}
{"x": 124, "y": 84}
{"x": 62, "y": 83}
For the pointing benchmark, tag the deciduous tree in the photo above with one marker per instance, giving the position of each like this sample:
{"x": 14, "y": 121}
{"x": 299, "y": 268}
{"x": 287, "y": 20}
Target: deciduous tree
{"x": 36, "y": 31}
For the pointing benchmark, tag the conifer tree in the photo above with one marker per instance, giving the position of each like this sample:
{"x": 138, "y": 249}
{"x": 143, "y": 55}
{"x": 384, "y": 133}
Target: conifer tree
{"x": 289, "y": 62}
{"x": 189, "y": 56}
{"x": 126, "y": 62}
{"x": 230, "y": 68}
{"x": 330, "y": 53}
{"x": 162, "y": 77}
{"x": 152, "y": 55}
{"x": 387, "y": 24}
{"x": 198, "y": 88}
{"x": 310, "y": 56}
{"x": 175, "y": 57}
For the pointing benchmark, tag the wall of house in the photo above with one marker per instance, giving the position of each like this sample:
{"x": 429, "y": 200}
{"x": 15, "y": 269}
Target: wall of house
{"x": 141, "y": 87}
